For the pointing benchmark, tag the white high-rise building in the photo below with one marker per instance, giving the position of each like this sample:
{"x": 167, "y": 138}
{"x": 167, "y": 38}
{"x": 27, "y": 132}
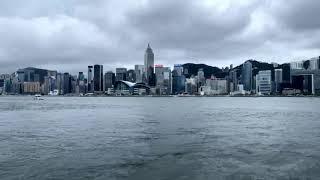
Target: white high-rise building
{"x": 215, "y": 86}
{"x": 263, "y": 82}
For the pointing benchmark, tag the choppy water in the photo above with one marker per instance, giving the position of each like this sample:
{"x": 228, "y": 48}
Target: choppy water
{"x": 159, "y": 138}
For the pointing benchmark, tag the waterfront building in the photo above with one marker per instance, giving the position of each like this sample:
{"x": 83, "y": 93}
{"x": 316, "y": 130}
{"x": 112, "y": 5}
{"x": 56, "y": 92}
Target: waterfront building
{"x": 191, "y": 87}
{"x": 109, "y": 79}
{"x": 311, "y": 64}
{"x": 278, "y": 79}
{"x": 247, "y": 76}
{"x": 167, "y": 81}
{"x": 159, "y": 69}
{"x": 296, "y": 65}
{"x": 1, "y": 86}
{"x": 49, "y": 84}
{"x": 81, "y": 87}
{"x": 4, "y": 76}
{"x": 32, "y": 75}
{"x": 163, "y": 80}
{"x": 81, "y": 84}
{"x": 80, "y": 76}
{"x": 178, "y": 79}
{"x": 31, "y": 87}
{"x": 125, "y": 88}
{"x": 215, "y": 86}
{"x": 121, "y": 74}
{"x": 90, "y": 79}
{"x": 74, "y": 85}
{"x": 67, "y": 86}
{"x": 59, "y": 83}
{"x": 286, "y": 76}
{"x": 131, "y": 76}
{"x": 304, "y": 82}
{"x": 140, "y": 73}
{"x": 233, "y": 81}
{"x": 20, "y": 75}
{"x": 263, "y": 82}
{"x": 149, "y": 65}
{"x": 305, "y": 76}
{"x": 201, "y": 78}
{"x": 98, "y": 78}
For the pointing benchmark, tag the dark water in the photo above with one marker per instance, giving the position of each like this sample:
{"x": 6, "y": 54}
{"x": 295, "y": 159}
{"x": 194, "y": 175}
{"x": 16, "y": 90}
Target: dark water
{"x": 159, "y": 138}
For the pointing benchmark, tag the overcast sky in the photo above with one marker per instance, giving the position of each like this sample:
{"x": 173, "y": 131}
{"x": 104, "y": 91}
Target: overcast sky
{"x": 68, "y": 35}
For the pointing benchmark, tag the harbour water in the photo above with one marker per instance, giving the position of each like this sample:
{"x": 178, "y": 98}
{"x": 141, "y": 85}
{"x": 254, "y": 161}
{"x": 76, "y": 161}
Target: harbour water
{"x": 159, "y": 138}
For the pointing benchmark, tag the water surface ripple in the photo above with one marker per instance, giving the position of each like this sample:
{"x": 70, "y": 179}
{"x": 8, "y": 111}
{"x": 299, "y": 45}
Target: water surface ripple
{"x": 159, "y": 138}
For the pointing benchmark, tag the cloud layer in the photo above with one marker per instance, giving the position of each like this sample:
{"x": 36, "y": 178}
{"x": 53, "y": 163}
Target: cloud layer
{"x": 69, "y": 35}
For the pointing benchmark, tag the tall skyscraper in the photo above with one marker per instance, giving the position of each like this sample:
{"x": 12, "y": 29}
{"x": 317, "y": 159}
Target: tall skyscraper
{"x": 66, "y": 83}
{"x": 80, "y": 76}
{"x": 201, "y": 78}
{"x": 159, "y": 69}
{"x": 90, "y": 79}
{"x": 233, "y": 80}
{"x": 149, "y": 65}
{"x": 109, "y": 79}
{"x": 178, "y": 79}
{"x": 167, "y": 80}
{"x": 278, "y": 79}
{"x": 98, "y": 78}
{"x": 121, "y": 74}
{"x": 59, "y": 83}
{"x": 247, "y": 76}
{"x": 139, "y": 71}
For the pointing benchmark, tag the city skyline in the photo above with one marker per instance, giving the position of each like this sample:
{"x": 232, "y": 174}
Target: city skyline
{"x": 250, "y": 78}
{"x": 69, "y": 35}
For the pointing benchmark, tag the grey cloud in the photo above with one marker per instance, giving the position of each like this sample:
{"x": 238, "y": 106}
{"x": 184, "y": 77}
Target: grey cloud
{"x": 69, "y": 35}
{"x": 175, "y": 23}
{"x": 298, "y": 15}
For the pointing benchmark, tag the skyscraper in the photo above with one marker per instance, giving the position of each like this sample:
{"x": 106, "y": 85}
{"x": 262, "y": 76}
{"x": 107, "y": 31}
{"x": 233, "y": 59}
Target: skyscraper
{"x": 80, "y": 76}
{"x": 149, "y": 65}
{"x": 131, "y": 75}
{"x": 278, "y": 79}
{"x": 139, "y": 71}
{"x": 233, "y": 80}
{"x": 59, "y": 83}
{"x": 109, "y": 79}
{"x": 159, "y": 69}
{"x": 201, "y": 78}
{"x": 121, "y": 74}
{"x": 247, "y": 76}
{"x": 66, "y": 83}
{"x": 90, "y": 79}
{"x": 178, "y": 79}
{"x": 167, "y": 80}
{"x": 98, "y": 78}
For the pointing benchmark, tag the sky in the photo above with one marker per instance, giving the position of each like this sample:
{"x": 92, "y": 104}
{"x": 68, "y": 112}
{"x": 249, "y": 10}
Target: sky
{"x": 69, "y": 35}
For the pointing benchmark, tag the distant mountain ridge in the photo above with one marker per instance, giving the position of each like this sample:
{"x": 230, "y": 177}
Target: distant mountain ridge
{"x": 192, "y": 69}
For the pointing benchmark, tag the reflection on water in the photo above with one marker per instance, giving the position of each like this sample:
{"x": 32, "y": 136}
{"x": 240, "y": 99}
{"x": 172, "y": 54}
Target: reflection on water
{"x": 159, "y": 138}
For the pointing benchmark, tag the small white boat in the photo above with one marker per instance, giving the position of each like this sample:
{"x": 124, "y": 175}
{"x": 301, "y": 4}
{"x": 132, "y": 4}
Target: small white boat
{"x": 37, "y": 97}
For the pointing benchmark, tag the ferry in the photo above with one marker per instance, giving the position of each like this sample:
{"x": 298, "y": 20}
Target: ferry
{"x": 37, "y": 97}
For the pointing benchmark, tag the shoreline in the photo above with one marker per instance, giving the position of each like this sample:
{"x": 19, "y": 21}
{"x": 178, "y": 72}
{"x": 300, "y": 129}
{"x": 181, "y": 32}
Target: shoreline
{"x": 166, "y": 96}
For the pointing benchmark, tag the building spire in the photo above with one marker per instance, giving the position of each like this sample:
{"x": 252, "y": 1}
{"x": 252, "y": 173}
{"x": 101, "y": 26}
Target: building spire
{"x": 149, "y": 45}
